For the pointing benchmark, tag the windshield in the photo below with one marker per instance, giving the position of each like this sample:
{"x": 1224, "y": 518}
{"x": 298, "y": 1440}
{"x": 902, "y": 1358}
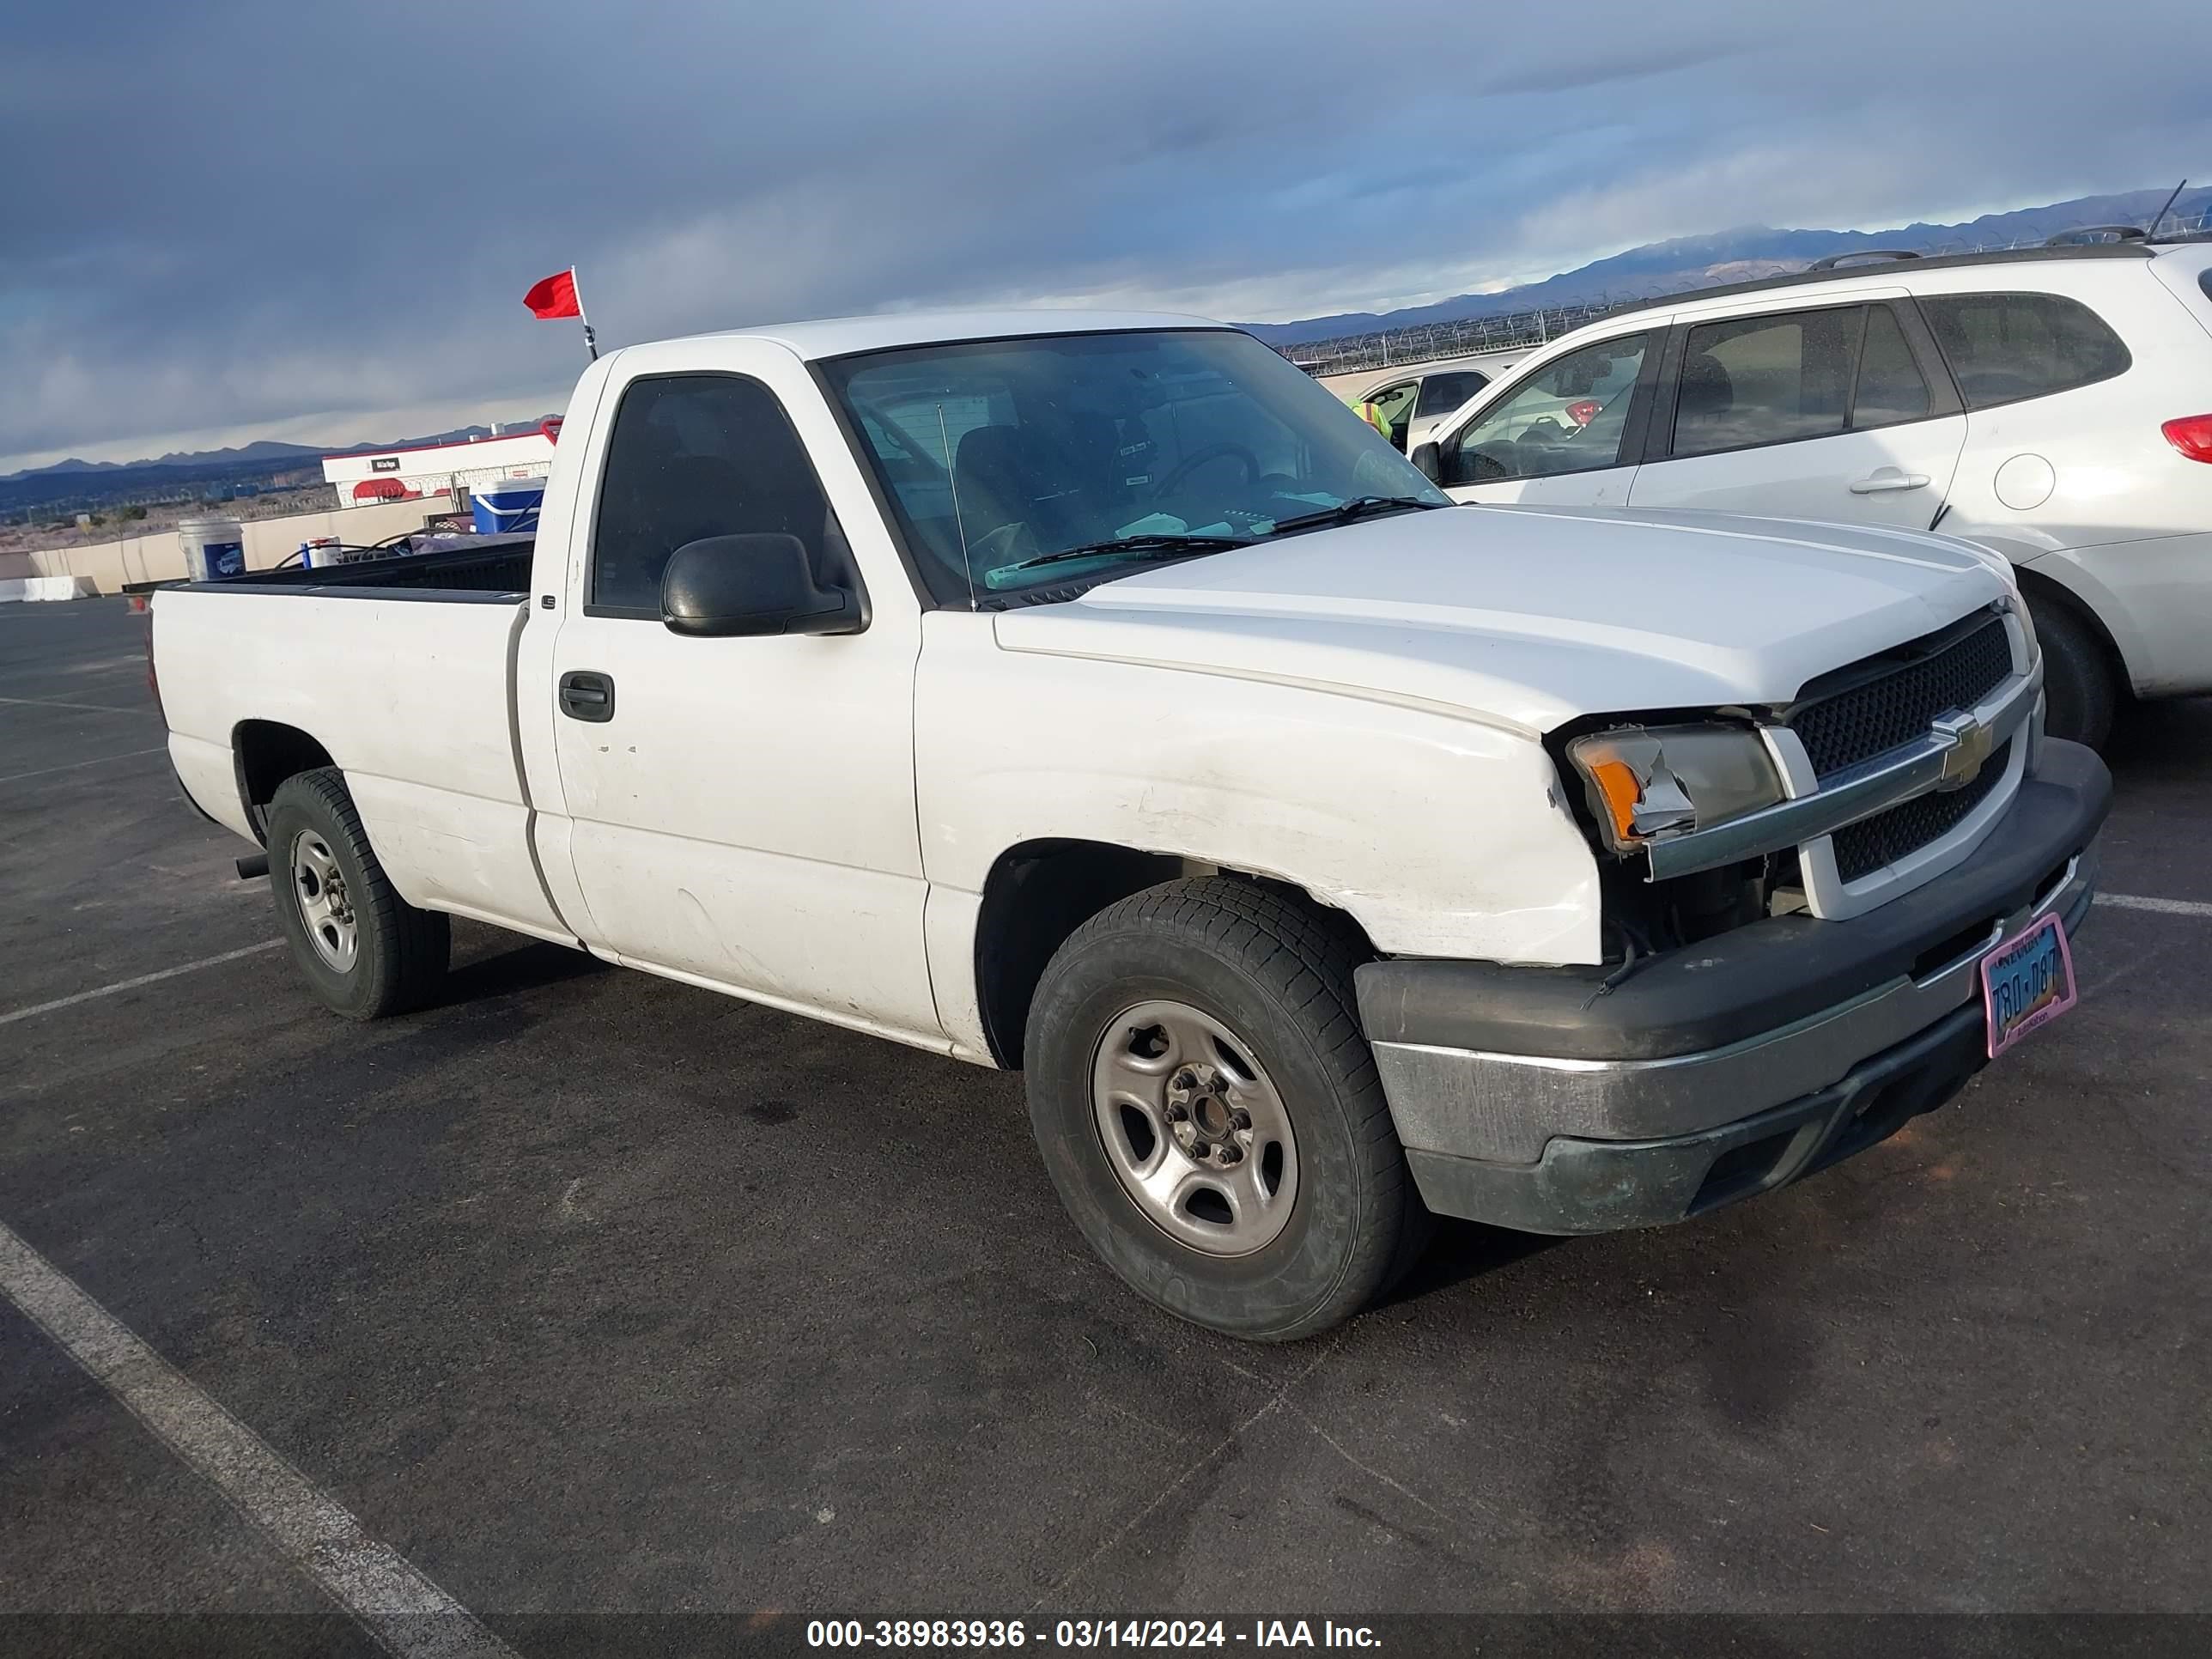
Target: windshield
{"x": 998, "y": 454}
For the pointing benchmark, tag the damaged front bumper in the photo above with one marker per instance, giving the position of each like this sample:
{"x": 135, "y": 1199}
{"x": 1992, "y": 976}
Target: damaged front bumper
{"x": 1726, "y": 1068}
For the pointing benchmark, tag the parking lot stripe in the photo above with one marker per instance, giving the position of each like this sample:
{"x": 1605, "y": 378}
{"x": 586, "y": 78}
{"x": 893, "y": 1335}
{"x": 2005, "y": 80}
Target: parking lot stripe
{"x": 2161, "y": 906}
{"x": 405, "y": 1613}
{"x": 97, "y": 760}
{"x": 155, "y": 978}
{"x": 56, "y": 702}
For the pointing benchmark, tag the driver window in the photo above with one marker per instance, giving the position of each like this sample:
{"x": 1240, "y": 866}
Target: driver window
{"x": 1569, "y": 417}
{"x": 692, "y": 456}
{"x": 1393, "y": 407}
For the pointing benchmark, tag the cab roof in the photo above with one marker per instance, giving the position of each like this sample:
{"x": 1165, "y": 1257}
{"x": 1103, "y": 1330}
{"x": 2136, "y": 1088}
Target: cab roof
{"x": 839, "y": 337}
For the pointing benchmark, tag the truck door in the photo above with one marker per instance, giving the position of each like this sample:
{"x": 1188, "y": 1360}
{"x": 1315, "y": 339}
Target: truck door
{"x": 1564, "y": 435}
{"x": 742, "y": 809}
{"x": 1829, "y": 413}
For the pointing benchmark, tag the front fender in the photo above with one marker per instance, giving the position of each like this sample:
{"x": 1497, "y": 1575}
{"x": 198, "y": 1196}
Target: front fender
{"x": 1441, "y": 837}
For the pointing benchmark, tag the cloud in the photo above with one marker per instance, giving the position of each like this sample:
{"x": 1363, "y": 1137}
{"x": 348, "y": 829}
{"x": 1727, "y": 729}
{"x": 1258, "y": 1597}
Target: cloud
{"x": 223, "y": 218}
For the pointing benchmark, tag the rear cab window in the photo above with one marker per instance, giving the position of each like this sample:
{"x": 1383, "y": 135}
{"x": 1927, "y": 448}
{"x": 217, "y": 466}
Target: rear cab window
{"x": 2004, "y": 348}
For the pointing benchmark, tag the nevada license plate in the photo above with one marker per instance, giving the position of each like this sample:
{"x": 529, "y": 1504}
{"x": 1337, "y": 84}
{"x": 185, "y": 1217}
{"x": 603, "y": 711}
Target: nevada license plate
{"x": 2027, "y": 981}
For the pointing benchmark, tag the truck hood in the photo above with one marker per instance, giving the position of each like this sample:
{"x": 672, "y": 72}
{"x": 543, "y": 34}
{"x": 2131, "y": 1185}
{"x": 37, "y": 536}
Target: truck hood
{"x": 1528, "y": 617}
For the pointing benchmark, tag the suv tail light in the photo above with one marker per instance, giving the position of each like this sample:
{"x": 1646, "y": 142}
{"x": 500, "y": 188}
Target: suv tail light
{"x": 1584, "y": 410}
{"x": 2191, "y": 434}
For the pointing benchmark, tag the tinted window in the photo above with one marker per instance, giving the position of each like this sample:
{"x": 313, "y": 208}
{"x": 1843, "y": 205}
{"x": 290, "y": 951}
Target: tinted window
{"x": 1443, "y": 393}
{"x": 1568, "y": 416}
{"x": 2004, "y": 347}
{"x": 1765, "y": 380}
{"x": 693, "y": 456}
{"x": 1071, "y": 443}
{"x": 1890, "y": 387}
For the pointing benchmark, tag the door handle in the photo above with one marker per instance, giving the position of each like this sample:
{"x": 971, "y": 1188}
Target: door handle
{"x": 587, "y": 696}
{"x": 1888, "y": 478}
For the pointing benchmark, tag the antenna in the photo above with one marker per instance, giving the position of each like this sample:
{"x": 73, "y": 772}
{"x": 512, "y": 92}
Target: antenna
{"x": 959, "y": 523}
{"x": 2150, "y": 231}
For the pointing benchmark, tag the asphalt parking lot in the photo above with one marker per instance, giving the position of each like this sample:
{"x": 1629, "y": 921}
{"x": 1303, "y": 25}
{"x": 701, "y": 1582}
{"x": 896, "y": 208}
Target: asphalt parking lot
{"x": 588, "y": 1291}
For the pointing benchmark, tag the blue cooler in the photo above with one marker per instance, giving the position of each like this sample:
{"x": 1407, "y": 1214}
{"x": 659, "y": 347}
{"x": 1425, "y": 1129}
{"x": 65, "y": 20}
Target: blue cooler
{"x": 507, "y": 505}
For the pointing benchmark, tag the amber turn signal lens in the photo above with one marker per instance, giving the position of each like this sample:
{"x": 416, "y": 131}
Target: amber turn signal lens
{"x": 1617, "y": 784}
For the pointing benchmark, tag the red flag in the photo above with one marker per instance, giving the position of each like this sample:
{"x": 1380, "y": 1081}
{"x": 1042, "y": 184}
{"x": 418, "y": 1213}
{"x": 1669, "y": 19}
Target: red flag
{"x": 555, "y": 297}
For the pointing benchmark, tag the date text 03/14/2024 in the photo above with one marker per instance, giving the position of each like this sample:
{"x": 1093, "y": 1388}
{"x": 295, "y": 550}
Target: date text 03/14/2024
{"x": 1085, "y": 1634}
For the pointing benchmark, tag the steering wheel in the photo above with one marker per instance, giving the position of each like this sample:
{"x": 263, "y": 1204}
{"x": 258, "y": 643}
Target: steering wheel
{"x": 1201, "y": 456}
{"x": 1495, "y": 460}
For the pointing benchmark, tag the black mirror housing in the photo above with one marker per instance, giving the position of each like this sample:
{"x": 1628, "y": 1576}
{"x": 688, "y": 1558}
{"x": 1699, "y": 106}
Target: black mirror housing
{"x": 751, "y": 587}
{"x": 1429, "y": 461}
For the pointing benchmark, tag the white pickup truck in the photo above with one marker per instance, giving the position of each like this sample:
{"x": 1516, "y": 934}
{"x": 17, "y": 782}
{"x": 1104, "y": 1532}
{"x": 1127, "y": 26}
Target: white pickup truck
{"x": 1097, "y": 695}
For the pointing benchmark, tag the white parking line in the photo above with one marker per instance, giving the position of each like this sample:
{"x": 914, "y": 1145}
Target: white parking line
{"x": 392, "y": 1601}
{"x": 2161, "y": 906}
{"x": 71, "y": 766}
{"x": 56, "y": 702}
{"x": 144, "y": 979}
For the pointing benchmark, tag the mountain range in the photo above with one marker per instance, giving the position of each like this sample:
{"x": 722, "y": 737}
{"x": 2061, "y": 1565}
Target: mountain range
{"x": 263, "y": 452}
{"x": 1747, "y": 252}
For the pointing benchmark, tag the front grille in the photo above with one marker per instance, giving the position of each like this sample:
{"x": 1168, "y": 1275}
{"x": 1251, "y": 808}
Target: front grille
{"x": 1877, "y": 715}
{"x": 1863, "y": 847}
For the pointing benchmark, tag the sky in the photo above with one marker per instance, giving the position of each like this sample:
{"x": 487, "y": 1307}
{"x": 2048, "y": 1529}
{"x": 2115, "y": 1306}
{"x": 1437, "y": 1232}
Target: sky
{"x": 225, "y": 220}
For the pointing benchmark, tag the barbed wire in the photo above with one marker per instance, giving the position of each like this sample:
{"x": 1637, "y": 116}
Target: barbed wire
{"x": 1527, "y": 330}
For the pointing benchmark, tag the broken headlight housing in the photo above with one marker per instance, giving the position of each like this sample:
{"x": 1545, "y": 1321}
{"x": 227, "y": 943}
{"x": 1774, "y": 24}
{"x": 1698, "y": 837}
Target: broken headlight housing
{"x": 1651, "y": 782}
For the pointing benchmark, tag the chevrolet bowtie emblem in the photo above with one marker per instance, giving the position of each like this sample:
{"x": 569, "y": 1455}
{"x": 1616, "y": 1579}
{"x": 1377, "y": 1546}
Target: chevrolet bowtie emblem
{"x": 1971, "y": 742}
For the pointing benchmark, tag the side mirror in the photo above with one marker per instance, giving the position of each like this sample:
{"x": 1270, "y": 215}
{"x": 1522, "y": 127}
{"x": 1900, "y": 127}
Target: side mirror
{"x": 1429, "y": 461}
{"x": 727, "y": 587}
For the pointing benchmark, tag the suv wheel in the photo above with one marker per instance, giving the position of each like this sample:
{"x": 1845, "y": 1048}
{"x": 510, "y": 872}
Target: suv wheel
{"x": 2080, "y": 689}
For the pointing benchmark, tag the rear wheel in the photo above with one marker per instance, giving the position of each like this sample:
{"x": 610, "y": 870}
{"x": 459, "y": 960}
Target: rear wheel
{"x": 2079, "y": 682}
{"x": 364, "y": 950}
{"x": 1209, "y": 1110}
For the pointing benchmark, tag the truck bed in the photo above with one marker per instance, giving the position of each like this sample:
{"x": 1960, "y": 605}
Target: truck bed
{"x": 491, "y": 567}
{"x": 414, "y": 701}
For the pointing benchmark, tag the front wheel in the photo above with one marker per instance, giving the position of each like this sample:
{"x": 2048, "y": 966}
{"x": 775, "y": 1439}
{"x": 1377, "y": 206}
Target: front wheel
{"x": 364, "y": 951}
{"x": 1209, "y": 1110}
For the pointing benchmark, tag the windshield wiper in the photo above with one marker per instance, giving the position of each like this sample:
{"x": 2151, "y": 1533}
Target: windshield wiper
{"x": 1358, "y": 508}
{"x": 1139, "y": 547}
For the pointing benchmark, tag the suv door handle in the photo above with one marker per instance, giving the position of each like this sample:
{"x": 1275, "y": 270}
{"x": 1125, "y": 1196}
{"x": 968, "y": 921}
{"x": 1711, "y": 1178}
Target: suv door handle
{"x": 587, "y": 696}
{"x": 1888, "y": 477}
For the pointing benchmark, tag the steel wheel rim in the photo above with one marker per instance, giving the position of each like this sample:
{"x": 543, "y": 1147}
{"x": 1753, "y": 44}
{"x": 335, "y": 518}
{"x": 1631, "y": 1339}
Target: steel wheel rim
{"x": 1195, "y": 1130}
{"x": 325, "y": 907}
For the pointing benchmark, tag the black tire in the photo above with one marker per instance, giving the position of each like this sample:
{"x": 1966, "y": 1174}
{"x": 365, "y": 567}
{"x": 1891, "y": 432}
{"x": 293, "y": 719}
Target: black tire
{"x": 2082, "y": 690}
{"x": 400, "y": 953}
{"x": 1278, "y": 975}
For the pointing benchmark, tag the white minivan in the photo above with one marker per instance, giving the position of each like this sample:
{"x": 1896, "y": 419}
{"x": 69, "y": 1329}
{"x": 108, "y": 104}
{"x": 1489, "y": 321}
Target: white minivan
{"x": 2049, "y": 403}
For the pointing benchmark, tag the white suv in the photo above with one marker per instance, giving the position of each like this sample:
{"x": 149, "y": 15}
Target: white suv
{"x": 1410, "y": 405}
{"x": 2048, "y": 403}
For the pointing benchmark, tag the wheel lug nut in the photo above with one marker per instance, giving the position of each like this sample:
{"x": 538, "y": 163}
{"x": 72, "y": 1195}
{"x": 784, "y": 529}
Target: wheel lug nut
{"x": 1241, "y": 1120}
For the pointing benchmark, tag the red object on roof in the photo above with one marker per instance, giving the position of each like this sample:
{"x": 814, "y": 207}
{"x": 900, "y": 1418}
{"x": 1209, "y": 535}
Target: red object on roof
{"x": 385, "y": 489}
{"x": 555, "y": 297}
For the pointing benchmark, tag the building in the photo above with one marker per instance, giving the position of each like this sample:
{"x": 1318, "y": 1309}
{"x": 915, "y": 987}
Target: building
{"x": 426, "y": 470}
